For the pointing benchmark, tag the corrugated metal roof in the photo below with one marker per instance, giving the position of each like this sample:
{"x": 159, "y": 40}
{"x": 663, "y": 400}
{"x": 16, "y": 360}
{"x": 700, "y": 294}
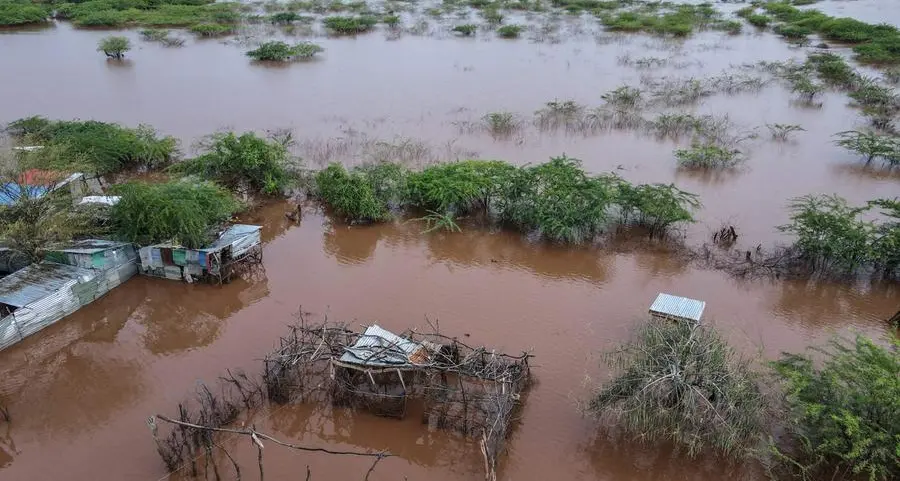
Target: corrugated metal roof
{"x": 38, "y": 281}
{"x": 89, "y": 246}
{"x": 378, "y": 347}
{"x": 230, "y": 235}
{"x": 681, "y": 307}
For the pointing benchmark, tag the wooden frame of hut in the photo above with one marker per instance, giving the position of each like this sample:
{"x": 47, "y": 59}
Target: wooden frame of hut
{"x": 471, "y": 390}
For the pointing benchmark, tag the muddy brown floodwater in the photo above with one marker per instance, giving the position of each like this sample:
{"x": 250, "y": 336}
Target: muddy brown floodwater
{"x": 80, "y": 391}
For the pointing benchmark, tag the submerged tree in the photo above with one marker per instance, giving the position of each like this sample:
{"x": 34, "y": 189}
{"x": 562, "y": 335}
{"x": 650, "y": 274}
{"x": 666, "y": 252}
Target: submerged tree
{"x": 844, "y": 413}
{"x": 283, "y": 52}
{"x": 114, "y": 46}
{"x": 681, "y": 382}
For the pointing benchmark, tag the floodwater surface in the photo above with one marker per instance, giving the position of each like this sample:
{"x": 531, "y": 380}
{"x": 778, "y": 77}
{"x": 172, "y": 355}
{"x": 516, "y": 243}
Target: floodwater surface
{"x": 80, "y": 391}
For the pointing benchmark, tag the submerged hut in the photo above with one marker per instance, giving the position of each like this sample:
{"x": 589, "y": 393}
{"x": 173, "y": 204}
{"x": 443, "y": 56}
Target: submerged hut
{"x": 72, "y": 276}
{"x": 41, "y": 294}
{"x": 236, "y": 247}
{"x": 669, "y": 307}
{"x": 471, "y": 390}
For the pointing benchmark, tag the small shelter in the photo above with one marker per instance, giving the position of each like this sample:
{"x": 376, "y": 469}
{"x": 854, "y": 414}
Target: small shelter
{"x": 116, "y": 261}
{"x": 669, "y": 307}
{"x": 471, "y": 390}
{"x": 237, "y": 246}
{"x": 41, "y": 294}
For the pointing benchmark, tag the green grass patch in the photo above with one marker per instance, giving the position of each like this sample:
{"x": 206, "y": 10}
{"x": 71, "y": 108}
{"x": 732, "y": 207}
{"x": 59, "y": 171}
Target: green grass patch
{"x": 679, "y": 21}
{"x": 509, "y": 31}
{"x": 343, "y": 25}
{"x": 172, "y": 13}
{"x": 759, "y": 20}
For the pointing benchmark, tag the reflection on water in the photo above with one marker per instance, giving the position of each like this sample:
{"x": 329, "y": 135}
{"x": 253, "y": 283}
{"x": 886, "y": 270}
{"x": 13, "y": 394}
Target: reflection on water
{"x": 179, "y": 317}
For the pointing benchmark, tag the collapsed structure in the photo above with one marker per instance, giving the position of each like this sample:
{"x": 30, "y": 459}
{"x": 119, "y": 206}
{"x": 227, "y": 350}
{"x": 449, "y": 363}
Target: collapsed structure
{"x": 466, "y": 389}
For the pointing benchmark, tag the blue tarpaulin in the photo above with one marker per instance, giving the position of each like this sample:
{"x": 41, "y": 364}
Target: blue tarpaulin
{"x": 10, "y": 193}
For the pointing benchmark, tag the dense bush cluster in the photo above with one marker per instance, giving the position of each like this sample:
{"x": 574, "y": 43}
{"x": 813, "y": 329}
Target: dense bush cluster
{"x": 844, "y": 412}
{"x": 283, "y": 52}
{"x": 21, "y": 12}
{"x": 834, "y": 236}
{"x": 556, "y": 200}
{"x": 98, "y": 147}
{"x": 162, "y": 13}
{"x": 243, "y": 163}
{"x": 184, "y": 212}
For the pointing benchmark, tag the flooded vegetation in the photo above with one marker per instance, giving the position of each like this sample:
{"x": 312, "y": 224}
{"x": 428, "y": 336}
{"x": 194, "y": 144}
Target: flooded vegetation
{"x": 524, "y": 175}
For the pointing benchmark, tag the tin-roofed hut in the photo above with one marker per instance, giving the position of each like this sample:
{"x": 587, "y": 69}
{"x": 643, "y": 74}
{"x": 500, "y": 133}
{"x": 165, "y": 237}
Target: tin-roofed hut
{"x": 675, "y": 308}
{"x": 237, "y": 247}
{"x": 40, "y": 295}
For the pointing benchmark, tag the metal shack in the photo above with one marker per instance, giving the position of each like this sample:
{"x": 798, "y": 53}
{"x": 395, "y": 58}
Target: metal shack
{"x": 238, "y": 245}
{"x": 117, "y": 261}
{"x": 41, "y": 294}
{"x": 72, "y": 276}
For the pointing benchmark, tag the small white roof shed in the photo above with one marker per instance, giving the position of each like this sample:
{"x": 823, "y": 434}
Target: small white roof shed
{"x": 668, "y": 306}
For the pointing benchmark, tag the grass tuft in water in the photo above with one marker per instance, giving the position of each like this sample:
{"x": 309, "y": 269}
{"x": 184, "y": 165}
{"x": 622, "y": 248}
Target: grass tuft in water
{"x": 509, "y": 31}
{"x": 466, "y": 30}
{"x": 783, "y": 132}
{"x": 343, "y": 25}
{"x": 283, "y": 52}
{"x": 707, "y": 156}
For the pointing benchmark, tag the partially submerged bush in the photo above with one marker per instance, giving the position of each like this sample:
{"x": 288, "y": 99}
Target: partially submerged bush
{"x": 349, "y": 25}
{"x": 655, "y": 206}
{"x": 559, "y": 202}
{"x": 758, "y": 20}
{"x": 871, "y": 145}
{"x": 681, "y": 382}
{"x": 501, "y": 124}
{"x": 94, "y": 146}
{"x": 707, "y": 156}
{"x": 283, "y": 52}
{"x": 284, "y": 17}
{"x": 363, "y": 195}
{"x": 624, "y": 97}
{"x": 211, "y": 29}
{"x": 829, "y": 232}
{"x": 185, "y": 212}
{"x": 844, "y": 413}
{"x": 466, "y": 30}
{"x": 509, "y": 31}
{"x": 460, "y": 187}
{"x": 783, "y": 132}
{"x": 114, "y": 46}
{"x": 245, "y": 163}
{"x": 833, "y": 69}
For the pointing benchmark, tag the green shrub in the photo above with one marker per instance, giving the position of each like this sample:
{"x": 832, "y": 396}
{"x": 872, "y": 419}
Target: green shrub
{"x": 13, "y": 13}
{"x": 883, "y": 51}
{"x": 833, "y": 69}
{"x": 363, "y": 195}
{"x": 758, "y": 20}
{"x": 349, "y": 25}
{"x": 211, "y": 29}
{"x": 707, "y": 156}
{"x": 871, "y": 145}
{"x": 245, "y": 163}
{"x": 792, "y": 31}
{"x": 282, "y": 52}
{"x": 831, "y": 236}
{"x": 844, "y": 412}
{"x": 184, "y": 212}
{"x": 284, "y": 17}
{"x": 655, "y": 206}
{"x": 509, "y": 31}
{"x": 94, "y": 146}
{"x": 466, "y": 30}
{"x": 733, "y": 27}
{"x": 851, "y": 30}
{"x": 392, "y": 21}
{"x": 558, "y": 201}
{"x": 460, "y": 187}
{"x": 680, "y": 382}
{"x": 104, "y": 18}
